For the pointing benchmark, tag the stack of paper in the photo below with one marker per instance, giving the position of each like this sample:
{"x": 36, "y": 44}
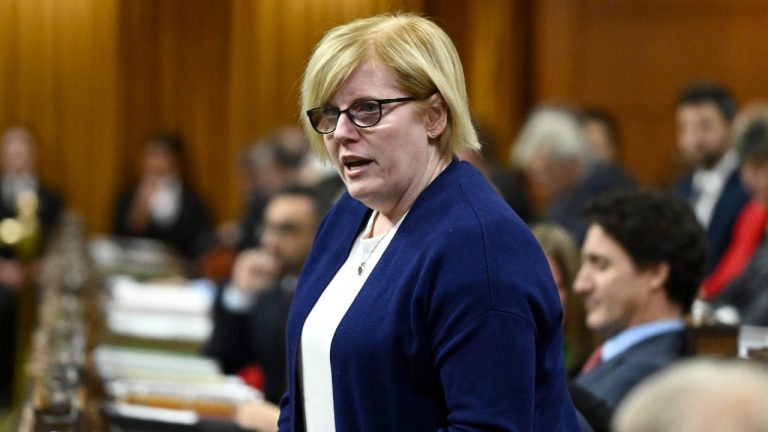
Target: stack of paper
{"x": 158, "y": 311}
{"x": 143, "y": 258}
{"x": 151, "y": 384}
{"x": 753, "y": 342}
{"x": 113, "y": 362}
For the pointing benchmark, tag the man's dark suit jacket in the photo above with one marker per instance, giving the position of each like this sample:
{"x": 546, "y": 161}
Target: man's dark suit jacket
{"x": 595, "y": 413}
{"x": 613, "y": 379}
{"x": 567, "y": 208}
{"x": 729, "y": 205}
{"x": 255, "y": 337}
{"x": 49, "y": 209}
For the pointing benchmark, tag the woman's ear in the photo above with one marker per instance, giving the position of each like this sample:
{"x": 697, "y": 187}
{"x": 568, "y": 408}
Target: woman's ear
{"x": 435, "y": 116}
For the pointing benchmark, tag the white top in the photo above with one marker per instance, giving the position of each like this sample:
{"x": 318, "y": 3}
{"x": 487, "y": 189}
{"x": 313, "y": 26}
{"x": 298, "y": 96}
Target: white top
{"x": 708, "y": 186}
{"x": 323, "y": 320}
{"x": 165, "y": 204}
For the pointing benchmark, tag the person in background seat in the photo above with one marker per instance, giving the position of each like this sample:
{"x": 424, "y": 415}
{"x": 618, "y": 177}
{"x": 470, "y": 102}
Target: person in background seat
{"x": 22, "y": 194}
{"x": 162, "y": 205}
{"x": 251, "y": 309}
{"x": 713, "y": 187}
{"x": 641, "y": 264}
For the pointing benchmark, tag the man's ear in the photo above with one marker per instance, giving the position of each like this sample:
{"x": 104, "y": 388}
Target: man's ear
{"x": 658, "y": 274}
{"x": 435, "y": 116}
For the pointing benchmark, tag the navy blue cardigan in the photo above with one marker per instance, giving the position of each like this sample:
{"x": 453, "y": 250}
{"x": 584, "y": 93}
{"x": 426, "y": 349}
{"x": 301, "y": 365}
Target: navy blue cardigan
{"x": 458, "y": 326}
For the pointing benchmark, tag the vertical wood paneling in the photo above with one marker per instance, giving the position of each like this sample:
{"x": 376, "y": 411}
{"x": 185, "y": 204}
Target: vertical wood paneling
{"x": 8, "y": 47}
{"x": 59, "y": 76}
{"x": 553, "y": 50}
{"x": 86, "y": 96}
{"x": 175, "y": 78}
{"x": 94, "y": 77}
{"x": 495, "y": 67}
{"x": 632, "y": 58}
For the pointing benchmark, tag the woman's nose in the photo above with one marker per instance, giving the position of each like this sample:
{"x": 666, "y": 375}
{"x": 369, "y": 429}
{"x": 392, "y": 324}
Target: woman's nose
{"x": 345, "y": 129}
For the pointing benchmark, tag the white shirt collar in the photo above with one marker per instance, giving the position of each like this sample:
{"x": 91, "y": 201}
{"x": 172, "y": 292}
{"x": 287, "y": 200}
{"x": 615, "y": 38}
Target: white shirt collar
{"x": 722, "y": 169}
{"x": 708, "y": 185}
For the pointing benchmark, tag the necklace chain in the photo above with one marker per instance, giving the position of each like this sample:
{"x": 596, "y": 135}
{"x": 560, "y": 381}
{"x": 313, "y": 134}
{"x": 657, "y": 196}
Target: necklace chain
{"x": 361, "y": 267}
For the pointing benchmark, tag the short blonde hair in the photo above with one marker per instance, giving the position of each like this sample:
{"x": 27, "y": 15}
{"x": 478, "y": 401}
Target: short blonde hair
{"x": 418, "y": 52}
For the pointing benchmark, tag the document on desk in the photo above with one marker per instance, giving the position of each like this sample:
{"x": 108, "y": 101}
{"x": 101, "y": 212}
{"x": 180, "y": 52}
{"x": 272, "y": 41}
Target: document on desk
{"x": 117, "y": 362}
{"x": 167, "y": 387}
{"x": 209, "y": 400}
{"x": 158, "y": 310}
{"x": 752, "y": 340}
{"x": 133, "y": 256}
{"x": 147, "y": 413}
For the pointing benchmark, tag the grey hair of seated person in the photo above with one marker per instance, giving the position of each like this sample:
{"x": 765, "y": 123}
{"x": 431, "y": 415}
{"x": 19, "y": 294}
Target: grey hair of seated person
{"x": 553, "y": 131}
{"x": 699, "y": 395}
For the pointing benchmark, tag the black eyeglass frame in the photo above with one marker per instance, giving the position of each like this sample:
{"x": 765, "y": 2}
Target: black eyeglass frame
{"x": 380, "y": 102}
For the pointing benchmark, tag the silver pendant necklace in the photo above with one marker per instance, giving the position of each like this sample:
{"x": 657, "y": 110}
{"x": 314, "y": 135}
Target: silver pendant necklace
{"x": 361, "y": 267}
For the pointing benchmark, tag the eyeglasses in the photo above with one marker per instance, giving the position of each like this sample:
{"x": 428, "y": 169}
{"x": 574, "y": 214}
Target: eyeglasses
{"x": 363, "y": 114}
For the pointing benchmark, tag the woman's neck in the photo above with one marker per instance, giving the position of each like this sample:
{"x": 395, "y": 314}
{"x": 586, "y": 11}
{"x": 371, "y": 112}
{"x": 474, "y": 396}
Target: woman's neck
{"x": 388, "y": 217}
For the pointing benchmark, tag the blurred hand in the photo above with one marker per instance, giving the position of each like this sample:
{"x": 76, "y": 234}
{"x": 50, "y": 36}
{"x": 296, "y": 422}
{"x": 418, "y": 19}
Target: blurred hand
{"x": 255, "y": 270}
{"x": 138, "y": 213}
{"x": 260, "y": 416}
{"x": 228, "y": 233}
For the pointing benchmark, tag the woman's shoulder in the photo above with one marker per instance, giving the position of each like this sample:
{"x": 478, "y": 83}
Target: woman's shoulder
{"x": 466, "y": 205}
{"x": 341, "y": 223}
{"x": 462, "y": 186}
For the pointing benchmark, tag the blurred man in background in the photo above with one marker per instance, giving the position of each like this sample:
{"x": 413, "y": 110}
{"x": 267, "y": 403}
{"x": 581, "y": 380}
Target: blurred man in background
{"x": 561, "y": 168}
{"x": 25, "y": 203}
{"x": 642, "y": 261}
{"x": 713, "y": 187}
{"x": 250, "y": 311}
{"x": 162, "y": 204}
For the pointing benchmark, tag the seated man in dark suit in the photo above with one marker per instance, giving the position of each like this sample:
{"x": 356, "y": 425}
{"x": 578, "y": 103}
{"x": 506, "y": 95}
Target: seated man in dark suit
{"x": 19, "y": 177}
{"x": 642, "y": 261}
{"x": 23, "y": 200}
{"x": 713, "y": 187}
{"x": 250, "y": 311}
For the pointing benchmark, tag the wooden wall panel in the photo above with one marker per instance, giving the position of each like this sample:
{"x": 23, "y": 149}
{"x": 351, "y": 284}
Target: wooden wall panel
{"x": 96, "y": 76}
{"x": 497, "y": 67}
{"x": 221, "y": 74}
{"x": 174, "y": 75}
{"x": 58, "y": 75}
{"x": 632, "y": 58}
{"x": 493, "y": 41}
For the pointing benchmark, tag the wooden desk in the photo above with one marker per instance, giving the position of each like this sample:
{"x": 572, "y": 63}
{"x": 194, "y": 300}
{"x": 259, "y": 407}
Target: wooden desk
{"x": 714, "y": 340}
